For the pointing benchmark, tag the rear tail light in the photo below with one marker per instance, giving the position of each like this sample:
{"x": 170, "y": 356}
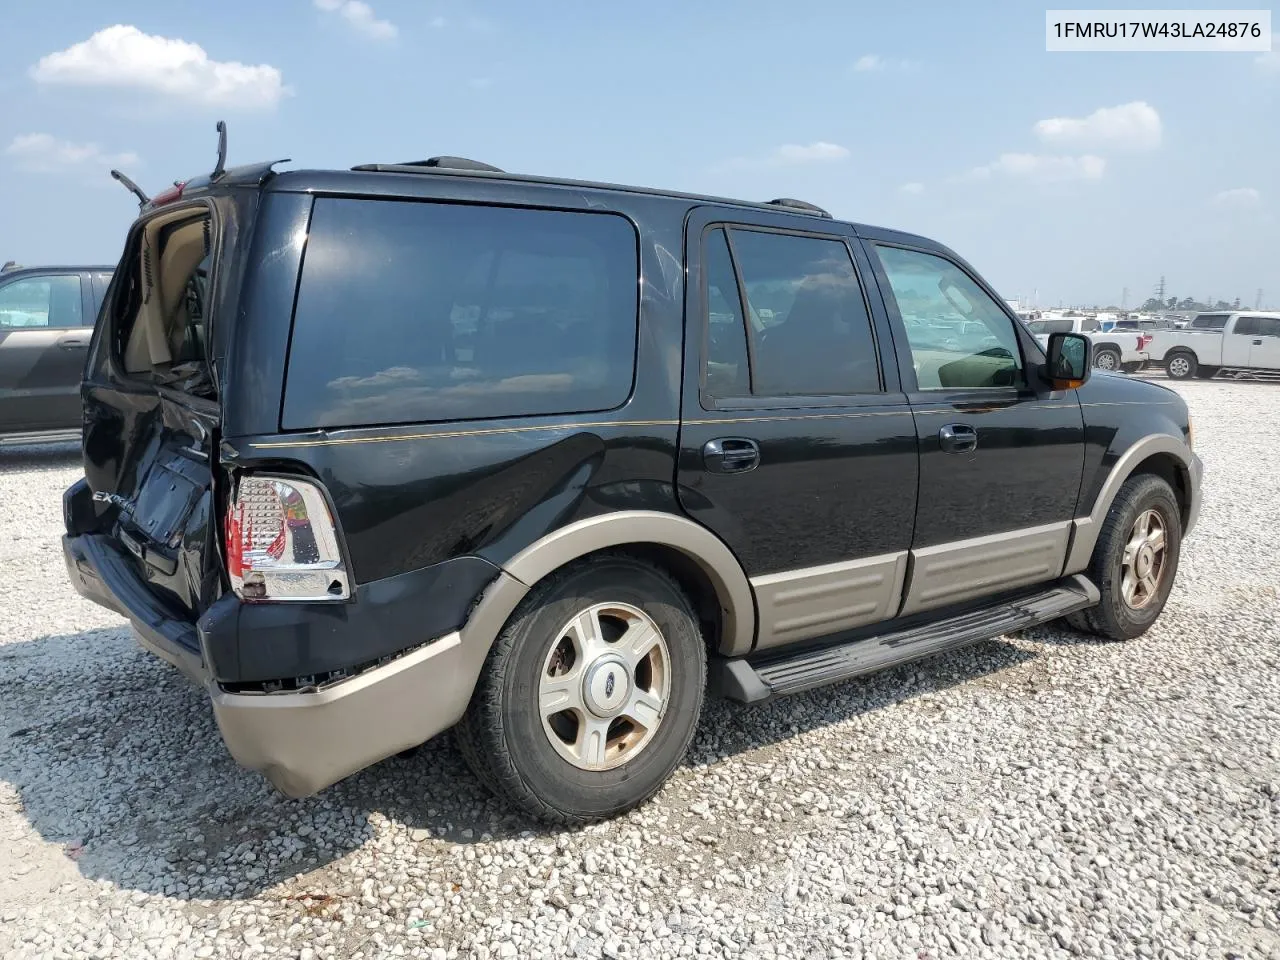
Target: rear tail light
{"x": 281, "y": 542}
{"x": 1143, "y": 340}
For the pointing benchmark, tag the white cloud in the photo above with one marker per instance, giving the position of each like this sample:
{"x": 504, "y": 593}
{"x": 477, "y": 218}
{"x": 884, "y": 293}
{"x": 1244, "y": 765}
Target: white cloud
{"x": 1130, "y": 126}
{"x": 912, "y": 188}
{"x": 1268, "y": 63}
{"x": 361, "y": 17}
{"x": 1041, "y": 168}
{"x": 45, "y": 153}
{"x": 874, "y": 63}
{"x": 794, "y": 155}
{"x": 1238, "y": 198}
{"x": 124, "y": 56}
{"x": 817, "y": 152}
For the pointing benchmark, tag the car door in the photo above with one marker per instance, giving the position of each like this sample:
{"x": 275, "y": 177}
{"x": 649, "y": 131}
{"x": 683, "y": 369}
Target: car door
{"x": 1264, "y": 345}
{"x": 797, "y": 444}
{"x": 45, "y": 327}
{"x": 1001, "y": 455}
{"x": 1237, "y": 339}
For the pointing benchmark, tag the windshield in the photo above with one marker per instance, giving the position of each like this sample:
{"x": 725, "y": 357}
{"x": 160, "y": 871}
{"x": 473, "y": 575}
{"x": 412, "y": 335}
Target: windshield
{"x": 1044, "y": 327}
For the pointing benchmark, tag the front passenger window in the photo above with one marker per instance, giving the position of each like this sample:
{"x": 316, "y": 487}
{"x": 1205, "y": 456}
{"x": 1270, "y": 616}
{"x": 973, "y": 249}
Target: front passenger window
{"x": 959, "y": 337}
{"x": 52, "y": 301}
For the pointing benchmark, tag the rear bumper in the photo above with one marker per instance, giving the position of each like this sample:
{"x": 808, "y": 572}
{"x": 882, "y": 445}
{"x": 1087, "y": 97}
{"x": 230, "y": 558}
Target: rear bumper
{"x": 305, "y": 740}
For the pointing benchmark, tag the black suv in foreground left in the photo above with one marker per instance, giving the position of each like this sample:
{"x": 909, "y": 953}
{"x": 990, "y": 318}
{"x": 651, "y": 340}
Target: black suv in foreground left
{"x": 377, "y": 453}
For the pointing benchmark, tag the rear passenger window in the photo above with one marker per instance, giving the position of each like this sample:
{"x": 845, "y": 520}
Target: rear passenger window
{"x": 727, "y": 374}
{"x": 411, "y": 312}
{"x": 1247, "y": 326}
{"x": 810, "y": 334}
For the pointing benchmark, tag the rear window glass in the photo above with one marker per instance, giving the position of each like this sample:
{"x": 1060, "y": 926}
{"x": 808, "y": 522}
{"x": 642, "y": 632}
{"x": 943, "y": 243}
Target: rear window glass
{"x": 1210, "y": 321}
{"x": 410, "y": 312}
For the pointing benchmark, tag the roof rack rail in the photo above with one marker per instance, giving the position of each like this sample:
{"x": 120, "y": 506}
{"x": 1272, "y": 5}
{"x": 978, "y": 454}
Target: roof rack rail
{"x": 800, "y": 205}
{"x": 451, "y": 163}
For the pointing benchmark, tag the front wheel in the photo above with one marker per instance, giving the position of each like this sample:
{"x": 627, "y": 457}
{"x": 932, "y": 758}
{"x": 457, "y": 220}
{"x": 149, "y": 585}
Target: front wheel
{"x": 591, "y": 693}
{"x": 1181, "y": 366}
{"x": 1134, "y": 561}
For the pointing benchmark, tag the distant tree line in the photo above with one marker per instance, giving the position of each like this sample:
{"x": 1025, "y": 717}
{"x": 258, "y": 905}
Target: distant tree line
{"x": 1186, "y": 303}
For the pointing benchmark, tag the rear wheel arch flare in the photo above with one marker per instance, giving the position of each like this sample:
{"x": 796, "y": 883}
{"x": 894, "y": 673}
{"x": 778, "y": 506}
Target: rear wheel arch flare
{"x": 702, "y": 560}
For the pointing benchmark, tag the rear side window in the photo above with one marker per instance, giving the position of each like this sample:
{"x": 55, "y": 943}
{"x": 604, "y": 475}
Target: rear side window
{"x": 410, "y": 312}
{"x": 810, "y": 333}
{"x": 1247, "y": 326}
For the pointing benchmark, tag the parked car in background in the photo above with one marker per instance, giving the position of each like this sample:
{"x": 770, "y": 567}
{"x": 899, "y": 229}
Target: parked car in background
{"x": 459, "y": 467}
{"x": 1243, "y": 343}
{"x": 1115, "y": 351}
{"x": 46, "y": 320}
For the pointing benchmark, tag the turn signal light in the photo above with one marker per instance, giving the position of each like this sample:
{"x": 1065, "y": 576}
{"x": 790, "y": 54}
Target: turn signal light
{"x": 281, "y": 542}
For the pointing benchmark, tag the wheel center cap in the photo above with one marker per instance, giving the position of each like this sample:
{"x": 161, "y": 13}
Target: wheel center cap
{"x": 606, "y": 686}
{"x": 1145, "y": 560}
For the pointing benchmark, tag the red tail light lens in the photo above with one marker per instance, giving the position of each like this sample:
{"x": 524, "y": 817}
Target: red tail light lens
{"x": 168, "y": 196}
{"x": 1143, "y": 340}
{"x": 281, "y": 542}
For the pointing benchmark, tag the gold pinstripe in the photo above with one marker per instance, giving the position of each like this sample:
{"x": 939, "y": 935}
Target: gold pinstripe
{"x": 553, "y": 427}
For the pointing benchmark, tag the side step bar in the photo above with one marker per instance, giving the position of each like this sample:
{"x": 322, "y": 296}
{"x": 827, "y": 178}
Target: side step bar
{"x": 777, "y": 675}
{"x": 39, "y": 436}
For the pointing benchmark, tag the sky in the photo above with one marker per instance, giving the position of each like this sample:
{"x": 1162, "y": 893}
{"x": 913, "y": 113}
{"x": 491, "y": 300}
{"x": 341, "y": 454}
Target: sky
{"x": 1062, "y": 177}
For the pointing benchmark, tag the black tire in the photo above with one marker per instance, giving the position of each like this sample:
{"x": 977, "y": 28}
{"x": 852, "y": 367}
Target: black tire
{"x": 1109, "y": 354}
{"x": 501, "y": 735}
{"x": 1113, "y": 618}
{"x": 1176, "y": 369}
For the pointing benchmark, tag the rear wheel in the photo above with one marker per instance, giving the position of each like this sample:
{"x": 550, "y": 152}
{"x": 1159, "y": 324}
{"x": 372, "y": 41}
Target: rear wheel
{"x": 1181, "y": 366}
{"x": 1134, "y": 561}
{"x": 1107, "y": 358}
{"x": 591, "y": 694}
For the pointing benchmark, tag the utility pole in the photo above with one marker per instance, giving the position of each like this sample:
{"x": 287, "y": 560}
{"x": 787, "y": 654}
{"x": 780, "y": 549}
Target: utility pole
{"x": 1160, "y": 289}
{"x": 1257, "y": 304}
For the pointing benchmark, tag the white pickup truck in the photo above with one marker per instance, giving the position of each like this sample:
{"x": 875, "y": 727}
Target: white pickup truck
{"x": 1233, "y": 343}
{"x": 1114, "y": 350}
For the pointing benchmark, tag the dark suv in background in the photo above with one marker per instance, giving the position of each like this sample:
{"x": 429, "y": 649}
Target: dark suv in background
{"x": 46, "y": 320}
{"x": 376, "y": 453}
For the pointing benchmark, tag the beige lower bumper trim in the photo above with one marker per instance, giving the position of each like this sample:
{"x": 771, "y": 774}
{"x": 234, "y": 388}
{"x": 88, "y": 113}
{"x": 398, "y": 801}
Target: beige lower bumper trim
{"x": 303, "y": 742}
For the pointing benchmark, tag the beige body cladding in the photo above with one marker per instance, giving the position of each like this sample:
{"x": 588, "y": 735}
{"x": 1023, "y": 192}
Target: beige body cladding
{"x": 305, "y": 741}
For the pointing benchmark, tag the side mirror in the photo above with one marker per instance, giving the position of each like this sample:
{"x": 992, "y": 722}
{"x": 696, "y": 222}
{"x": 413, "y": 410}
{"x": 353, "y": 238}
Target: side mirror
{"x": 1070, "y": 360}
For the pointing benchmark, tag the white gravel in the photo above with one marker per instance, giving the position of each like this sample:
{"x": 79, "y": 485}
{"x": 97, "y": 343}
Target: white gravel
{"x": 1042, "y": 795}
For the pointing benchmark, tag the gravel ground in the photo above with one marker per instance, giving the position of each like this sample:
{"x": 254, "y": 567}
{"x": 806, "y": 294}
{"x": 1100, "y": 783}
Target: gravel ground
{"x": 1039, "y": 795}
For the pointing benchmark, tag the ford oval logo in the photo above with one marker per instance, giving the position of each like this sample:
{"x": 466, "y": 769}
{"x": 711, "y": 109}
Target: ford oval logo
{"x": 608, "y": 686}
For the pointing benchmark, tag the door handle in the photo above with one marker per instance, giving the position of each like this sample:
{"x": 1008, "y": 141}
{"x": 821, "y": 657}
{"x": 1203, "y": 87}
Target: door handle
{"x": 958, "y": 438}
{"x": 1257, "y": 343}
{"x": 730, "y": 455}
{"x": 72, "y": 342}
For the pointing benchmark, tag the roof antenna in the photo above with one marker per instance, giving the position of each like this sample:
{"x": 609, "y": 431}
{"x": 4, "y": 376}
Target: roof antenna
{"x": 222, "y": 151}
{"x": 132, "y": 187}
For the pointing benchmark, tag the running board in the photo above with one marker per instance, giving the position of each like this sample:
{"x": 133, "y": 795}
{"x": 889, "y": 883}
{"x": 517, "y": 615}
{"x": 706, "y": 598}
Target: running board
{"x": 38, "y": 436}
{"x": 781, "y": 674}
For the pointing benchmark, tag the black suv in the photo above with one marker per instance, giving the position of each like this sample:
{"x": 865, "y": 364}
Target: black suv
{"x": 373, "y": 454}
